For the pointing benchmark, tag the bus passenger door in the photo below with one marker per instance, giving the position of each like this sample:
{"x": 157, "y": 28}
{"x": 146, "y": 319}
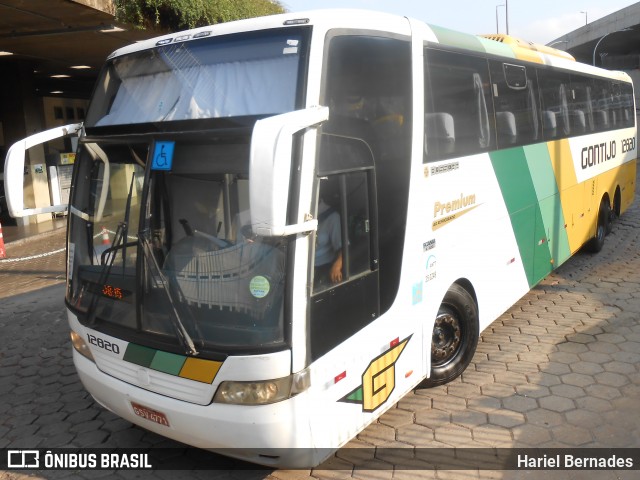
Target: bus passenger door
{"x": 344, "y": 279}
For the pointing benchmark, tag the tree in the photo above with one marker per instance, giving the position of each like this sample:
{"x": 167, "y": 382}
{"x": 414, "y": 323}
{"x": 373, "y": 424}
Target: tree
{"x": 175, "y": 15}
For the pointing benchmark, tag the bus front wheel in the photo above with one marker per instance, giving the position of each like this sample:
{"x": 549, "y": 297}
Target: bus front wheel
{"x": 455, "y": 337}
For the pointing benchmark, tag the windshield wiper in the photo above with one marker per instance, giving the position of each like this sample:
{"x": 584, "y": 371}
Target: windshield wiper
{"x": 160, "y": 278}
{"x": 107, "y": 258}
{"x": 109, "y": 255}
{"x": 125, "y": 230}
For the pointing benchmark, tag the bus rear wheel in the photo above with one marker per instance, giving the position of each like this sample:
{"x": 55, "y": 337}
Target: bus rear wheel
{"x": 603, "y": 227}
{"x": 455, "y": 337}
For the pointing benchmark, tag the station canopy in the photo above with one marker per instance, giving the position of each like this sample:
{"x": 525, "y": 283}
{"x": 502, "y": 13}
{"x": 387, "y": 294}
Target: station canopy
{"x": 64, "y": 41}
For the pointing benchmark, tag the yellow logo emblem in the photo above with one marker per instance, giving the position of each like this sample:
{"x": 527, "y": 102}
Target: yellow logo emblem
{"x": 378, "y": 380}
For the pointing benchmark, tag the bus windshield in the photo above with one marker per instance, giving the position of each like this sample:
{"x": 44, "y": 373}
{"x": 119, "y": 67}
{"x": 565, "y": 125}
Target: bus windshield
{"x": 169, "y": 255}
{"x": 210, "y": 77}
{"x": 163, "y": 254}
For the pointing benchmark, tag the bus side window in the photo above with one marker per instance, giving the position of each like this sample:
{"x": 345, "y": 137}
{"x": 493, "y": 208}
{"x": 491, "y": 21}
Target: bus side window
{"x": 457, "y": 105}
{"x": 603, "y": 116}
{"x": 582, "y": 114}
{"x": 515, "y": 91}
{"x": 620, "y": 106}
{"x": 626, "y": 105}
{"x": 556, "y": 122}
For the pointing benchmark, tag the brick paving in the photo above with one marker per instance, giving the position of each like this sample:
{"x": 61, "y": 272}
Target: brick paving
{"x": 48, "y": 268}
{"x": 560, "y": 369}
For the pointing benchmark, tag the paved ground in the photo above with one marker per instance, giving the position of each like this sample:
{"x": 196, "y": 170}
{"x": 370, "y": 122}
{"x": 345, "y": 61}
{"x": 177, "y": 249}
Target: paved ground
{"x": 560, "y": 369}
{"x": 33, "y": 263}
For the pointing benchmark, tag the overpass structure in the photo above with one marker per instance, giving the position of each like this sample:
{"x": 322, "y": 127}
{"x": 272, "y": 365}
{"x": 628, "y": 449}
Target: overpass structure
{"x": 611, "y": 42}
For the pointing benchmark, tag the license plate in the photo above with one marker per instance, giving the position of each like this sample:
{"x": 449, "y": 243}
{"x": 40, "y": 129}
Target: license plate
{"x": 150, "y": 414}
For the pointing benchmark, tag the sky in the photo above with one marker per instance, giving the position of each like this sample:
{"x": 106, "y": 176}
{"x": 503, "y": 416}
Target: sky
{"x": 539, "y": 21}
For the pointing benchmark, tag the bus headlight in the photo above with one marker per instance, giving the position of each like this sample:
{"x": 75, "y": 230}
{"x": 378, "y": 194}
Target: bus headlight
{"x": 81, "y": 346}
{"x": 262, "y": 392}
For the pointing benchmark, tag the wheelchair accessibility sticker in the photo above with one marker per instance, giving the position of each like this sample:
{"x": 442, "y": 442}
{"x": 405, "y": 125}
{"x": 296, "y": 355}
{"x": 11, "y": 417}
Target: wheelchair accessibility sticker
{"x": 163, "y": 156}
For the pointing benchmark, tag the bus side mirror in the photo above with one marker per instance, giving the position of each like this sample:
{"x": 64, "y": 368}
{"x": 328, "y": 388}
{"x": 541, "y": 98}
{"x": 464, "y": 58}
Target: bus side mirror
{"x": 14, "y": 170}
{"x": 270, "y": 170}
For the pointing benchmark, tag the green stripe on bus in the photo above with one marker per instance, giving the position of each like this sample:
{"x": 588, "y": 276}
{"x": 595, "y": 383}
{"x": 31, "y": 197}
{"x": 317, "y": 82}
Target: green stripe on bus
{"x": 457, "y": 39}
{"x": 168, "y": 362}
{"x": 139, "y": 355}
{"x": 512, "y": 170}
{"x": 550, "y": 205}
{"x": 519, "y": 194}
{"x": 497, "y": 48}
{"x": 530, "y": 192}
{"x": 197, "y": 369}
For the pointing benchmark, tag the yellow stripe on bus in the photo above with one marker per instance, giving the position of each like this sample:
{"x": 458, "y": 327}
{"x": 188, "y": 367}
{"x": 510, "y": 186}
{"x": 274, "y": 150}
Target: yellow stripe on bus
{"x": 200, "y": 370}
{"x": 571, "y": 193}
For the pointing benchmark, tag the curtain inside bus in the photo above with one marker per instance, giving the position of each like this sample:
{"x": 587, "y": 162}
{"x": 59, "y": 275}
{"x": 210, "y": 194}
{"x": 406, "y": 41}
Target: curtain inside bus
{"x": 211, "y": 78}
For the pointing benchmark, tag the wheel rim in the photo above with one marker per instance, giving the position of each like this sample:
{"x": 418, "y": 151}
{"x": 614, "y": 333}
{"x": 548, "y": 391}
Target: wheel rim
{"x": 447, "y": 338}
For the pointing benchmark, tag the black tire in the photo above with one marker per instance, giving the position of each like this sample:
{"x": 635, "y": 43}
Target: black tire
{"x": 609, "y": 223}
{"x": 603, "y": 226}
{"x": 612, "y": 213}
{"x": 617, "y": 199}
{"x": 455, "y": 337}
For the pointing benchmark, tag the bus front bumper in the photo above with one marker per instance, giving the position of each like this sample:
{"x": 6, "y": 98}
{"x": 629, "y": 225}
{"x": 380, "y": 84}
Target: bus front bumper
{"x": 276, "y": 435}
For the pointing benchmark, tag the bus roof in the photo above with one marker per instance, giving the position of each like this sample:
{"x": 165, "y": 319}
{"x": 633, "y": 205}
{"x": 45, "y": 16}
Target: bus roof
{"x": 499, "y": 45}
{"x": 518, "y": 43}
{"x": 326, "y": 17}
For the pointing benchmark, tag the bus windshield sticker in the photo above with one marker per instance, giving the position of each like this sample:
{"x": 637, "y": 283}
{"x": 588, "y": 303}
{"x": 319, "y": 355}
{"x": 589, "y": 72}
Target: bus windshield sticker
{"x": 259, "y": 286}
{"x": 163, "y": 156}
{"x": 416, "y": 297}
{"x": 291, "y": 48}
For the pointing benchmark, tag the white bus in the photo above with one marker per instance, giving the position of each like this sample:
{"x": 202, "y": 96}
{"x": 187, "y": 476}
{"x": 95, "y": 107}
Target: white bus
{"x": 280, "y": 226}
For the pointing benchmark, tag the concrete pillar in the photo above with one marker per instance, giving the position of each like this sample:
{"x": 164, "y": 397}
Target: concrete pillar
{"x": 21, "y": 114}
